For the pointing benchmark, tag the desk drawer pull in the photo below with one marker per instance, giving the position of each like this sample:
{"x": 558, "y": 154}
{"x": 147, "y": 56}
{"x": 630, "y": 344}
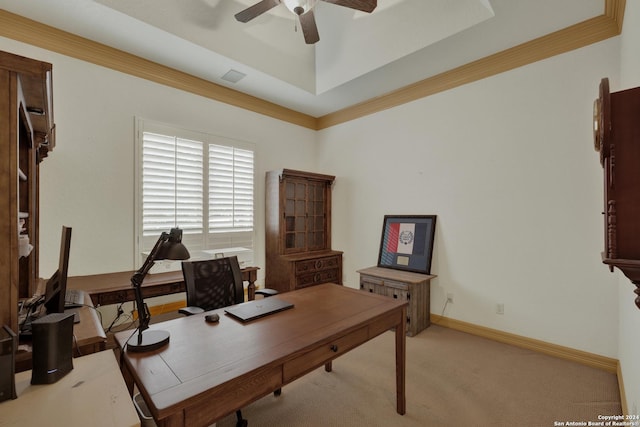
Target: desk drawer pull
{"x": 334, "y": 348}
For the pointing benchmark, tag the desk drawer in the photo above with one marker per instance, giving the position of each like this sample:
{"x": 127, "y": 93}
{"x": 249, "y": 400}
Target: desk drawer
{"x": 317, "y": 357}
{"x": 215, "y": 404}
{"x": 115, "y": 297}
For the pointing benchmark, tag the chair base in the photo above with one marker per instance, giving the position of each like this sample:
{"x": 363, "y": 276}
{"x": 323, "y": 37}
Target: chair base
{"x": 241, "y": 421}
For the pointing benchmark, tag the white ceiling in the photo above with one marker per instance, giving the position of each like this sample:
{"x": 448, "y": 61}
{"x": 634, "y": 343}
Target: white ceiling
{"x": 359, "y": 55}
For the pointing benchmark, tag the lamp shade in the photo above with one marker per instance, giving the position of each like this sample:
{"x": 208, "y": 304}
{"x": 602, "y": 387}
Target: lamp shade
{"x": 172, "y": 248}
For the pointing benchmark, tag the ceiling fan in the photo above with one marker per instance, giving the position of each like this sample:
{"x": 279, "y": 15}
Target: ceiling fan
{"x": 304, "y": 10}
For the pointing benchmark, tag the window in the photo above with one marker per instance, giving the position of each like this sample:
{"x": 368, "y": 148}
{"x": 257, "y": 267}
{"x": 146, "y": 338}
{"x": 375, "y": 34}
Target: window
{"x": 202, "y": 183}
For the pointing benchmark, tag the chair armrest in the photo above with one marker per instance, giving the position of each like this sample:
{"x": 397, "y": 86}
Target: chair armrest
{"x": 266, "y": 292}
{"x": 189, "y": 311}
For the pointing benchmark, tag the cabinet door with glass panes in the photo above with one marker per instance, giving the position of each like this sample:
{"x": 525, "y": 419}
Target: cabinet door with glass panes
{"x": 298, "y": 231}
{"x": 305, "y": 215}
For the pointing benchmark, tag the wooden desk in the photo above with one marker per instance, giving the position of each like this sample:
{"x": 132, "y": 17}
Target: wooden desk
{"x": 88, "y": 335}
{"x": 114, "y": 288}
{"x": 208, "y": 371}
{"x": 92, "y": 394}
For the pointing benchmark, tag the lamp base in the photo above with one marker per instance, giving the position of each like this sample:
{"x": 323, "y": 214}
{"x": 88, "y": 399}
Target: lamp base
{"x": 147, "y": 340}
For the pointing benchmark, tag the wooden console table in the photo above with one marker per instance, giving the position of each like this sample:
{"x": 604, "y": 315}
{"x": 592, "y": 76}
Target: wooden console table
{"x": 114, "y": 288}
{"x": 405, "y": 286}
{"x": 93, "y": 393}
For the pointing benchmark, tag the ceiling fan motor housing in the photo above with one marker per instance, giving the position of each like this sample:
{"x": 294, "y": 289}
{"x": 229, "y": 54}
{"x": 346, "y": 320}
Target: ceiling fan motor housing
{"x": 304, "y": 10}
{"x": 299, "y": 7}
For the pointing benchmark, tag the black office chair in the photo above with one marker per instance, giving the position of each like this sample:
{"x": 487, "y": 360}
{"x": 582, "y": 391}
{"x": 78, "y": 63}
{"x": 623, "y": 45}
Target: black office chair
{"x": 213, "y": 284}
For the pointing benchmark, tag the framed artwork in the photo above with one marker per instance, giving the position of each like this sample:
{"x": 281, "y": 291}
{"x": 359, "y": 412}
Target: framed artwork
{"x": 407, "y": 242}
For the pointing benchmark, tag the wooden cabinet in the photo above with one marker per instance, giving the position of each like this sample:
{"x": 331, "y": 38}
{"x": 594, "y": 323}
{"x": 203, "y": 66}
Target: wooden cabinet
{"x": 298, "y": 231}
{"x": 405, "y": 286}
{"x": 617, "y": 139}
{"x": 26, "y": 137}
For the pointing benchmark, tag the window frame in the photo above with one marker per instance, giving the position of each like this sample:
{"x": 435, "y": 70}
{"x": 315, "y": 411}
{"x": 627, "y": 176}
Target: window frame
{"x": 207, "y": 240}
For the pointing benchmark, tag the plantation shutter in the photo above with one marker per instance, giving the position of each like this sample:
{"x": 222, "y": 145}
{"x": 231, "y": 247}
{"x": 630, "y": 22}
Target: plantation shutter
{"x": 199, "y": 182}
{"x": 172, "y": 184}
{"x": 230, "y": 189}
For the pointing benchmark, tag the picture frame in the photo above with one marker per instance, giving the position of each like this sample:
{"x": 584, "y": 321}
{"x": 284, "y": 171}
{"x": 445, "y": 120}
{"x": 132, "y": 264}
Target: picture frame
{"x": 407, "y": 242}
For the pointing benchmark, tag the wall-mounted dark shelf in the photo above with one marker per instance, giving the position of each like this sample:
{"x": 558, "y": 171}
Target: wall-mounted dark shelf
{"x": 617, "y": 139}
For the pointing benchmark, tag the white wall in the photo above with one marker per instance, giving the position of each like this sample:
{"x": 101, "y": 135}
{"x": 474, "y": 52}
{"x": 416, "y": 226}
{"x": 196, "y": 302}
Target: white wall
{"x": 629, "y": 350}
{"x": 88, "y": 180}
{"x": 506, "y": 163}
{"x": 508, "y": 166}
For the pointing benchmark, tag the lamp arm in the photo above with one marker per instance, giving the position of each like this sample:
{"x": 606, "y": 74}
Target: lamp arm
{"x": 136, "y": 282}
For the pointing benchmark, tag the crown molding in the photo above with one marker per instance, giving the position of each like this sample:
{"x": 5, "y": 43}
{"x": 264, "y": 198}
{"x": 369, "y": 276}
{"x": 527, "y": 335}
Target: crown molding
{"x": 574, "y": 37}
{"x": 46, "y": 37}
{"x": 593, "y": 30}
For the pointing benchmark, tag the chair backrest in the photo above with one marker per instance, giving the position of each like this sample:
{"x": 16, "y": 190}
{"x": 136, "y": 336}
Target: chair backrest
{"x": 213, "y": 283}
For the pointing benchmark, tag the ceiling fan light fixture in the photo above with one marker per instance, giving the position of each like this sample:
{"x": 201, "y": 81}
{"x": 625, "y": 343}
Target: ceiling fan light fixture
{"x": 299, "y": 7}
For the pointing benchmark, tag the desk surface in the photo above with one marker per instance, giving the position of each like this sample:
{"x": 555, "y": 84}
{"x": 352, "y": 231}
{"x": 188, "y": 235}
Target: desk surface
{"x": 92, "y": 394}
{"x": 89, "y": 330}
{"x": 210, "y": 370}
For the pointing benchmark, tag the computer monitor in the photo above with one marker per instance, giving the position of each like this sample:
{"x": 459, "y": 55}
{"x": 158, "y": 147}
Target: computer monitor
{"x": 57, "y": 284}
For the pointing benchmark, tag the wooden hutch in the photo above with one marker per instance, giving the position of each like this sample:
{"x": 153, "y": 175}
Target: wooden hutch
{"x": 298, "y": 231}
{"x": 26, "y": 136}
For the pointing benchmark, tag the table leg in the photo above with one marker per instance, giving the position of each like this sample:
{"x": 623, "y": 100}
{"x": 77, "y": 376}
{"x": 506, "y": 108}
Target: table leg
{"x": 126, "y": 375}
{"x": 401, "y": 347}
{"x": 251, "y": 291}
{"x": 250, "y": 275}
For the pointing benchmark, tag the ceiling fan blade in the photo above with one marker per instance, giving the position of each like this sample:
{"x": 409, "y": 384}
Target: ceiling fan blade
{"x": 256, "y": 10}
{"x": 309, "y": 28}
{"x": 363, "y": 5}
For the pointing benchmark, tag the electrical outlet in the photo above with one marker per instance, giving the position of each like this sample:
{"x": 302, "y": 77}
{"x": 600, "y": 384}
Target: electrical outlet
{"x": 499, "y": 308}
{"x": 450, "y": 298}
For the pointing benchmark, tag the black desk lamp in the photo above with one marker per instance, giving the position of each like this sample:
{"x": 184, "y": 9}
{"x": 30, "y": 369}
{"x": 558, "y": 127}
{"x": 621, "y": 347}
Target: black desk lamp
{"x": 168, "y": 246}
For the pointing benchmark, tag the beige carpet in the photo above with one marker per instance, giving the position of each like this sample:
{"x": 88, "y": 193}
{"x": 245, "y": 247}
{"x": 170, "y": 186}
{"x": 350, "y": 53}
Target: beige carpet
{"x": 453, "y": 379}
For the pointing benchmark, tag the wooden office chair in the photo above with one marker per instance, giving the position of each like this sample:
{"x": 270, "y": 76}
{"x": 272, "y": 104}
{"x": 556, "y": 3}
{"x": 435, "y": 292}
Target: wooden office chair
{"x": 213, "y": 284}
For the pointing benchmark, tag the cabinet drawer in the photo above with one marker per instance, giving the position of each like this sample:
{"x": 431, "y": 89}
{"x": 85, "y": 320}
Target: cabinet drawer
{"x": 378, "y": 281}
{"x": 372, "y": 287}
{"x": 317, "y": 264}
{"x": 400, "y": 292}
{"x": 396, "y": 285}
{"x": 371, "y": 280}
{"x": 319, "y": 356}
{"x": 317, "y": 278}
